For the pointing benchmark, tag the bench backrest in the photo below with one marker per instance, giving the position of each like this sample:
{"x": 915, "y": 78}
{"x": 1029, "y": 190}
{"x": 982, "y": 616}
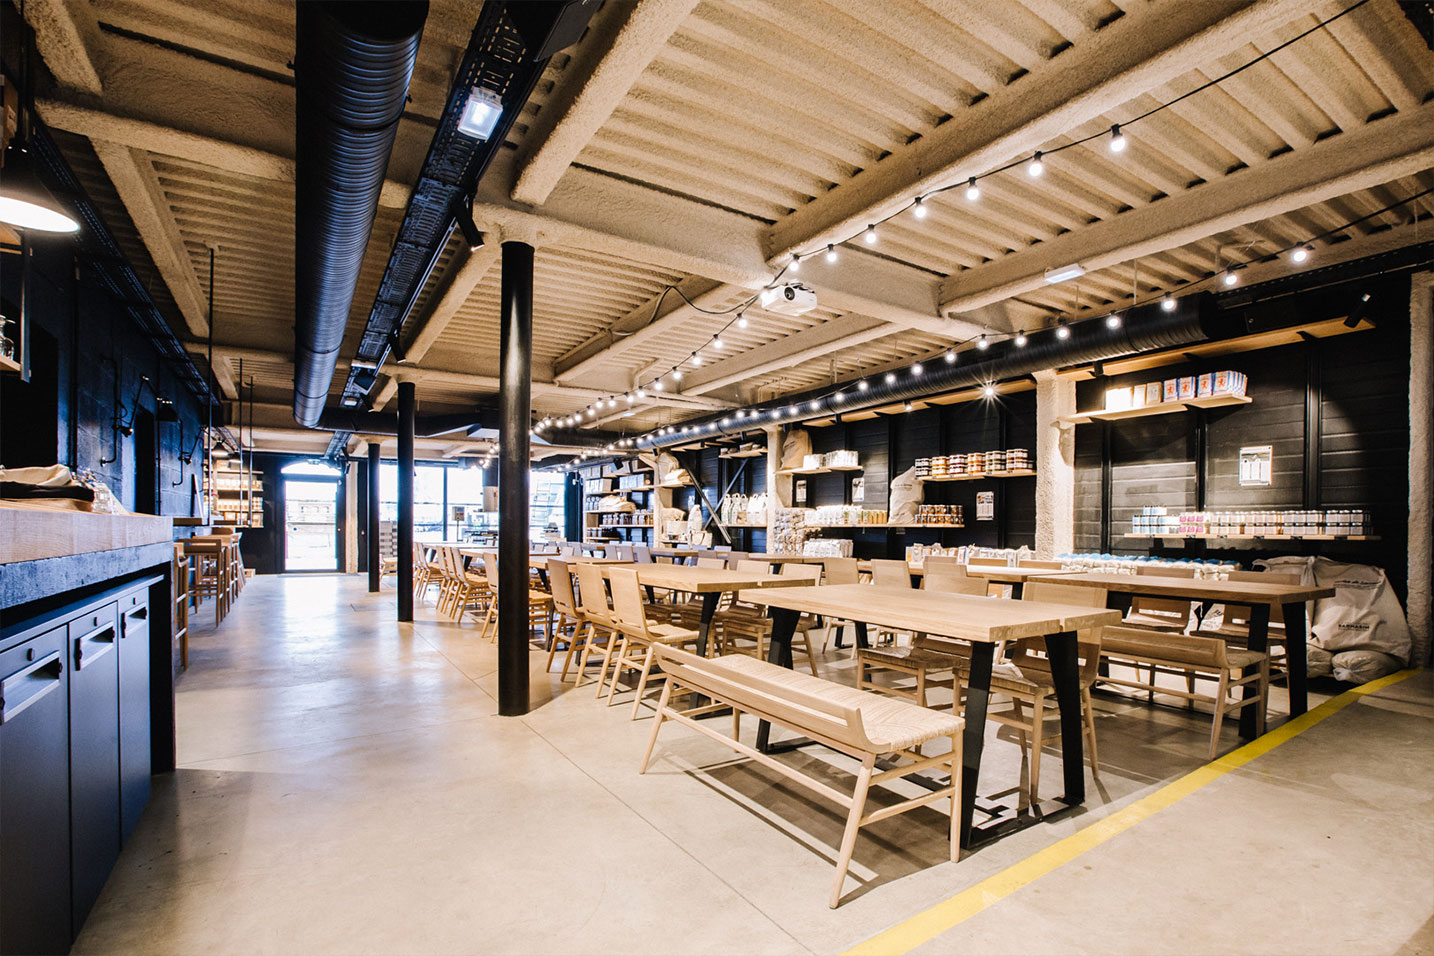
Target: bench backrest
{"x": 767, "y": 697}
{"x": 889, "y": 573}
{"x": 1038, "y": 563}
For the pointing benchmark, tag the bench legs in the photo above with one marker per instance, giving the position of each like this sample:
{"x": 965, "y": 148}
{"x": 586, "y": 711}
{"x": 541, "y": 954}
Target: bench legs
{"x": 853, "y": 823}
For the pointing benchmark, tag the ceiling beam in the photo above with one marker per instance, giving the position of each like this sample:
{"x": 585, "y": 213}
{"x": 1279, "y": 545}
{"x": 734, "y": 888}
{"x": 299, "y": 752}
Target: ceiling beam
{"x": 134, "y": 180}
{"x": 1136, "y": 53}
{"x": 1397, "y": 146}
{"x": 841, "y": 333}
{"x": 458, "y": 286}
{"x": 617, "y": 49}
{"x": 65, "y": 33}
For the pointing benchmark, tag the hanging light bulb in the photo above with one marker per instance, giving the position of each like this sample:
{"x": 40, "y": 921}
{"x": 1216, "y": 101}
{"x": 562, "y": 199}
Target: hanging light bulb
{"x": 983, "y": 343}
{"x": 870, "y": 235}
{"x": 919, "y": 208}
{"x": 863, "y": 385}
{"x": 657, "y": 386}
{"x": 1117, "y": 139}
{"x": 973, "y": 192}
{"x": 1063, "y": 331}
{"x": 916, "y": 370}
{"x": 839, "y": 397}
{"x": 890, "y": 378}
{"x": 831, "y": 253}
{"x": 726, "y": 421}
{"x": 642, "y": 393}
{"x": 677, "y": 375}
{"x": 717, "y": 342}
{"x": 776, "y": 413}
{"x": 950, "y": 356}
{"x": 1112, "y": 321}
{"x": 630, "y": 398}
{"x": 741, "y": 321}
{"x": 989, "y": 391}
{"x": 696, "y": 359}
{"x": 908, "y": 407}
{"x": 1021, "y": 339}
{"x": 1302, "y": 253}
{"x": 1035, "y": 167}
{"x": 591, "y": 413}
{"x": 1230, "y": 278}
{"x": 1167, "y": 303}
{"x": 796, "y": 265}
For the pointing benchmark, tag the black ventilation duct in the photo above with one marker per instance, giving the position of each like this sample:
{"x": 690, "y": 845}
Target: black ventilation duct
{"x": 352, "y": 65}
{"x": 1194, "y": 318}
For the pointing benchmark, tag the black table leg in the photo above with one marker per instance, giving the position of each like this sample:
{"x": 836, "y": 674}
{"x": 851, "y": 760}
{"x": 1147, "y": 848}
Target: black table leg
{"x": 973, "y": 736}
{"x": 861, "y": 640}
{"x": 543, "y": 577}
{"x": 1061, "y": 651}
{"x": 840, "y": 628}
{"x": 1017, "y": 589}
{"x": 1259, "y": 641}
{"x": 709, "y": 611}
{"x": 779, "y": 651}
{"x": 1296, "y": 643}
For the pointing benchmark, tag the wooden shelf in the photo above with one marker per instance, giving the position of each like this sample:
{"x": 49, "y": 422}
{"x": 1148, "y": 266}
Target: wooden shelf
{"x": 869, "y": 527}
{"x": 637, "y": 488}
{"x": 9, "y": 365}
{"x": 1164, "y": 408}
{"x": 805, "y": 471}
{"x": 1258, "y": 537}
{"x": 976, "y": 476}
{"x": 753, "y": 453}
{"x": 847, "y": 468}
{"x": 624, "y": 525}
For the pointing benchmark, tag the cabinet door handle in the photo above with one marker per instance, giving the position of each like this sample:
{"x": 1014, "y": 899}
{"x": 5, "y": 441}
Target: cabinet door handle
{"x": 102, "y": 641}
{"x": 30, "y": 685}
{"x": 141, "y": 613}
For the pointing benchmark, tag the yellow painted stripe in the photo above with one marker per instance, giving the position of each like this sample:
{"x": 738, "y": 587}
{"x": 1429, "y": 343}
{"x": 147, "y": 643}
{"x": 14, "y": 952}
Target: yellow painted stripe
{"x": 906, "y": 936}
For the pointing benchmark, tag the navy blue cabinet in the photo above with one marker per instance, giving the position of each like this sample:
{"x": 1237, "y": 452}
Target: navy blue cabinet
{"x": 134, "y": 721}
{"x": 94, "y": 755}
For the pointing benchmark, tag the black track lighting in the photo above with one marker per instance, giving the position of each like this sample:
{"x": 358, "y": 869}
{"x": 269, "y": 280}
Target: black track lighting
{"x": 1357, "y": 313}
{"x": 395, "y": 345}
{"x": 471, "y": 235}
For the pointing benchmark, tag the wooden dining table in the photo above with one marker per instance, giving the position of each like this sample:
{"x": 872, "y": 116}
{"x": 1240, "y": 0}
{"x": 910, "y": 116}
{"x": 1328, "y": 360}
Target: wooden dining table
{"x": 983, "y": 622}
{"x": 1258, "y": 596}
{"x": 1016, "y": 577}
{"x": 538, "y": 560}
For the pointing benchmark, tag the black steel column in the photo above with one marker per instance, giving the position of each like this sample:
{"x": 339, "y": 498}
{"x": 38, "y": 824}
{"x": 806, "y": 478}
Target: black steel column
{"x": 406, "y": 401}
{"x": 514, "y": 401}
{"x": 375, "y": 562}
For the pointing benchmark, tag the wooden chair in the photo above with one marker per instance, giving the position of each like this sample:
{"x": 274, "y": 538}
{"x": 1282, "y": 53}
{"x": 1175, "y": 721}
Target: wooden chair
{"x": 839, "y": 571}
{"x": 925, "y": 658}
{"x": 1160, "y": 614}
{"x": 179, "y": 592}
{"x": 597, "y": 616}
{"x": 1027, "y": 679}
{"x": 1234, "y": 626}
{"x": 1039, "y": 563}
{"x": 1183, "y": 655}
{"x": 639, "y": 635}
{"x": 952, "y": 580}
{"x": 755, "y": 627}
{"x": 540, "y": 604}
{"x": 863, "y": 726}
{"x": 426, "y": 571}
{"x": 566, "y": 611}
{"x": 890, "y": 573}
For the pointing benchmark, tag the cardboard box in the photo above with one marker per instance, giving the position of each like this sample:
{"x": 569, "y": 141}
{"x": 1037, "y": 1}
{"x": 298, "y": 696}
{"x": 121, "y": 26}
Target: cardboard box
{"x": 1185, "y": 387}
{"x": 1170, "y": 390}
{"x": 1204, "y": 385}
{"x": 1117, "y": 399}
{"x": 1228, "y": 383}
{"x": 1154, "y": 393}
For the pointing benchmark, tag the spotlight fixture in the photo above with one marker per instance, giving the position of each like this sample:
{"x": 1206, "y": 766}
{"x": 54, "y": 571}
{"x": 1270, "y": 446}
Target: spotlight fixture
{"x": 1357, "y": 313}
{"x": 480, "y": 113}
{"x": 1112, "y": 321}
{"x": 831, "y": 253}
{"x": 1167, "y": 303}
{"x": 983, "y": 343}
{"x": 870, "y": 235}
{"x": 919, "y": 208}
{"x": 1021, "y": 339}
{"x": 863, "y": 385}
{"x": 1035, "y": 167}
{"x": 1301, "y": 254}
{"x": 1117, "y": 139}
{"x": 973, "y": 192}
{"x": 1063, "y": 331}
{"x": 950, "y": 356}
{"x": 1230, "y": 278}
{"x": 741, "y": 321}
{"x": 890, "y": 378}
{"x": 471, "y": 235}
{"x": 989, "y": 391}
{"x": 916, "y": 370}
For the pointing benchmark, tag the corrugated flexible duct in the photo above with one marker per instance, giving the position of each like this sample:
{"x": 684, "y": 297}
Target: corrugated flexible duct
{"x": 1195, "y": 318}
{"x": 352, "y": 67}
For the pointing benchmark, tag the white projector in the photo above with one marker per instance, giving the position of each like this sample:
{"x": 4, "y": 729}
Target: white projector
{"x": 793, "y": 298}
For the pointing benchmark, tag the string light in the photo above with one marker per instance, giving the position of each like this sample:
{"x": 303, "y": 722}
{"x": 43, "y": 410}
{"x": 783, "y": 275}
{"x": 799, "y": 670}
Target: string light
{"x": 839, "y": 397}
{"x": 796, "y": 265}
{"x": 717, "y": 342}
{"x": 1167, "y": 304}
{"x": 677, "y": 375}
{"x": 950, "y": 356}
{"x": 870, "y": 235}
{"x": 973, "y": 192}
{"x": 741, "y": 320}
{"x": 1112, "y": 321}
{"x": 657, "y": 386}
{"x": 909, "y": 406}
{"x": 831, "y": 252}
{"x": 989, "y": 391}
{"x": 696, "y": 359}
{"x": 919, "y": 207}
{"x": 916, "y": 370}
{"x": 1021, "y": 339}
{"x": 890, "y": 378}
{"x": 1063, "y": 331}
{"x": 1036, "y": 167}
{"x": 815, "y": 405}
{"x": 983, "y": 343}
{"x": 1230, "y": 277}
{"x": 863, "y": 385}
{"x": 1117, "y": 139}
{"x": 1301, "y": 253}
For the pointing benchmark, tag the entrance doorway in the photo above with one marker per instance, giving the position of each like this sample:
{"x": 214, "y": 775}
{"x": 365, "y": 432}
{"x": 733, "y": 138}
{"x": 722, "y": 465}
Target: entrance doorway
{"x": 311, "y": 519}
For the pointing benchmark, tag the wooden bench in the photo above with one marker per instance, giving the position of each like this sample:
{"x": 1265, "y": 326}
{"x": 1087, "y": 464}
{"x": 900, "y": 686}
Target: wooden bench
{"x": 862, "y": 725}
{"x": 1184, "y": 655}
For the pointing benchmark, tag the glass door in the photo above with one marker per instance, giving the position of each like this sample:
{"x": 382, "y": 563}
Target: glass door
{"x": 311, "y": 524}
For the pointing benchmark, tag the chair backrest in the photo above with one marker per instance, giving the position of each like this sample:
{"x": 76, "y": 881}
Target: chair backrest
{"x": 947, "y": 581}
{"x": 751, "y": 566}
{"x": 716, "y": 564}
{"x": 944, "y": 562}
{"x": 1052, "y": 593}
{"x": 841, "y": 570}
{"x": 733, "y": 557}
{"x": 1177, "y": 610}
{"x": 628, "y": 612}
{"x": 570, "y": 549}
{"x": 490, "y": 568}
{"x": 641, "y": 554}
{"x": 1236, "y": 614}
{"x": 989, "y": 562}
{"x": 1172, "y": 648}
{"x": 609, "y": 550}
{"x": 722, "y": 548}
{"x": 889, "y": 573}
{"x": 805, "y": 572}
{"x": 560, "y": 583}
{"x": 1037, "y": 563}
{"x": 624, "y": 551}
{"x": 592, "y": 593}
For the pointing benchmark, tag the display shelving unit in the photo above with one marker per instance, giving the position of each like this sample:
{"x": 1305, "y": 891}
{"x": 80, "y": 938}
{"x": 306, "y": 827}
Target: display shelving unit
{"x": 1164, "y": 408}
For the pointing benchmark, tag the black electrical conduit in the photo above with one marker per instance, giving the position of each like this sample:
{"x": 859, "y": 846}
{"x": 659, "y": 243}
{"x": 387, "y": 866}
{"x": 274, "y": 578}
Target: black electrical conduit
{"x": 352, "y": 66}
{"x": 1195, "y": 318}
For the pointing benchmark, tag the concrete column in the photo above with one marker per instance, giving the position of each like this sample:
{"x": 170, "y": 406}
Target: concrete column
{"x": 514, "y": 403}
{"x": 1421, "y": 460}
{"x": 375, "y": 560}
{"x": 1055, "y": 464}
{"x": 777, "y": 495}
{"x": 407, "y": 400}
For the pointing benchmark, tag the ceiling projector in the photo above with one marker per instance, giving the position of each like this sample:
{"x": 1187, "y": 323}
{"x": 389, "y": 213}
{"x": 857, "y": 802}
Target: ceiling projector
{"x": 792, "y": 298}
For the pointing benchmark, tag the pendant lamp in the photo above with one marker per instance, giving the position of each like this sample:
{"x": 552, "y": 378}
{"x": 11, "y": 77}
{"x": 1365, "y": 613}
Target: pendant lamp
{"x": 25, "y": 203}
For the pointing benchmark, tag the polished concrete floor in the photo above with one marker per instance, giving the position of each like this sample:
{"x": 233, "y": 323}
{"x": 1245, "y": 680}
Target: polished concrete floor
{"x": 346, "y": 787}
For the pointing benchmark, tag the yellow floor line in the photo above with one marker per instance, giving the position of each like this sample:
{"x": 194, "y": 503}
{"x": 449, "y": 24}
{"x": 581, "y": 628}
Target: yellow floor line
{"x": 906, "y": 936}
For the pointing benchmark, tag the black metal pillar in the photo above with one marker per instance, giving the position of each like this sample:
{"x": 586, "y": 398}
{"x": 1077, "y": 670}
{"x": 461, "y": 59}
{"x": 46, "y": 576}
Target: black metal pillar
{"x": 406, "y": 401}
{"x": 375, "y": 562}
{"x": 514, "y": 394}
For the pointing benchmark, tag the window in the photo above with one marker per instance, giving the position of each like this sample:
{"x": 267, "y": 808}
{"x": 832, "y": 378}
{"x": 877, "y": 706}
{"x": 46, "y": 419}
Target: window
{"x": 462, "y": 490}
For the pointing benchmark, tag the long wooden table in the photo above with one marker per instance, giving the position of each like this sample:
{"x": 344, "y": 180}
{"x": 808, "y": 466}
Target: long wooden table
{"x": 982, "y": 621}
{"x": 1255, "y": 595}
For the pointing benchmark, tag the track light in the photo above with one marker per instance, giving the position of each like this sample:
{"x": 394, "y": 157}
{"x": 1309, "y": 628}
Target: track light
{"x": 1063, "y": 331}
{"x": 870, "y": 235}
{"x": 1357, "y": 313}
{"x": 863, "y": 385}
{"x": 741, "y": 321}
{"x": 1301, "y": 254}
{"x": 1112, "y": 321}
{"x": 983, "y": 343}
{"x": 950, "y": 356}
{"x": 1035, "y": 167}
{"x": 471, "y": 235}
{"x": 973, "y": 192}
{"x": 831, "y": 253}
{"x": 919, "y": 208}
{"x": 400, "y": 354}
{"x": 1021, "y": 339}
{"x": 1117, "y": 139}
{"x": 1167, "y": 303}
{"x": 916, "y": 370}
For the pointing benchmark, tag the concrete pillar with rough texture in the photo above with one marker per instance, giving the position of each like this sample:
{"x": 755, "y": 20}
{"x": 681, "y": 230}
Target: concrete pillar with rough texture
{"x": 1055, "y": 464}
{"x": 1421, "y": 460}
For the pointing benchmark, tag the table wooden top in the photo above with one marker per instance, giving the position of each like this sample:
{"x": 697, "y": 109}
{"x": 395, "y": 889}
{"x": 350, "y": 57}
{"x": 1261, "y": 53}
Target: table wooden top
{"x": 681, "y": 577}
{"x": 776, "y": 558}
{"x": 540, "y": 559}
{"x": 675, "y": 552}
{"x": 991, "y": 572}
{"x": 965, "y": 617}
{"x": 1199, "y": 589}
